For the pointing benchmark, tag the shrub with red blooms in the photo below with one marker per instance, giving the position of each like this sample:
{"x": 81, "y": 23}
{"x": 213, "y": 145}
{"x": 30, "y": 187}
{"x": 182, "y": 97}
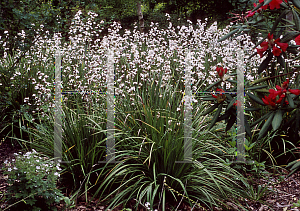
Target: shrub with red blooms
{"x": 272, "y": 44}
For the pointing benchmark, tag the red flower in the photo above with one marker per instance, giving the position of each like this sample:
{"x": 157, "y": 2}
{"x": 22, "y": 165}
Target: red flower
{"x": 285, "y": 84}
{"x": 270, "y": 100}
{"x": 297, "y": 40}
{"x": 281, "y": 92}
{"x": 283, "y": 46}
{"x": 273, "y": 4}
{"x": 221, "y": 72}
{"x": 271, "y": 44}
{"x": 263, "y": 7}
{"x": 276, "y": 51}
{"x": 250, "y": 14}
{"x": 294, "y": 91}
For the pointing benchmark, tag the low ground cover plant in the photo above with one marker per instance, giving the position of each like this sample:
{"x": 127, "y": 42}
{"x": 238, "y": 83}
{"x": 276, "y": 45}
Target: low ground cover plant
{"x": 32, "y": 180}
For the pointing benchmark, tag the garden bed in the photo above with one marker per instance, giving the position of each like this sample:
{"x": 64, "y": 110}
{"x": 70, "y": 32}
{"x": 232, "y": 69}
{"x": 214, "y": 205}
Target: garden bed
{"x": 286, "y": 192}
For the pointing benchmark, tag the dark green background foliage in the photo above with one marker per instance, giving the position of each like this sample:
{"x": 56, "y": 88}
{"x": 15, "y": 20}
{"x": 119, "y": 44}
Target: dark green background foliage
{"x": 56, "y": 15}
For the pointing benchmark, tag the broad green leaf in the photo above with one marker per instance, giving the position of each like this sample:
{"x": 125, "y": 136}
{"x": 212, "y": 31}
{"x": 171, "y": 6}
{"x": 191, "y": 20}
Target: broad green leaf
{"x": 262, "y": 90}
{"x": 296, "y": 19}
{"x": 258, "y": 6}
{"x": 208, "y": 98}
{"x": 255, "y": 98}
{"x": 289, "y": 36}
{"x": 229, "y": 35}
{"x": 267, "y": 2}
{"x": 232, "y": 81}
{"x": 230, "y": 122}
{"x": 290, "y": 100}
{"x": 282, "y": 15}
{"x": 292, "y": 50}
{"x": 231, "y": 103}
{"x": 261, "y": 119}
{"x": 277, "y": 120}
{"x": 228, "y": 97}
{"x": 296, "y": 165}
{"x": 214, "y": 120}
{"x": 212, "y": 85}
{"x": 296, "y": 3}
{"x": 252, "y": 109}
{"x": 257, "y": 87}
{"x": 280, "y": 60}
{"x": 224, "y": 116}
{"x": 283, "y": 5}
{"x": 292, "y": 163}
{"x": 266, "y": 126}
{"x": 259, "y": 80}
{"x": 265, "y": 63}
{"x": 210, "y": 109}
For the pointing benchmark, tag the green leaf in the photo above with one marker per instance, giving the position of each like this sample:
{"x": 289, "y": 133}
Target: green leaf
{"x": 258, "y": 6}
{"x": 277, "y": 120}
{"x": 282, "y": 15}
{"x": 231, "y": 121}
{"x": 265, "y": 63}
{"x": 255, "y": 98}
{"x": 266, "y": 126}
{"x": 289, "y": 36}
{"x": 232, "y": 81}
{"x": 296, "y": 19}
{"x": 231, "y": 104}
{"x": 292, "y": 50}
{"x": 252, "y": 109}
{"x": 290, "y": 100}
{"x": 259, "y": 80}
{"x": 267, "y": 2}
{"x": 210, "y": 109}
{"x": 296, "y": 3}
{"x": 212, "y": 85}
{"x": 214, "y": 120}
{"x": 261, "y": 119}
{"x": 224, "y": 116}
{"x": 228, "y": 35}
{"x": 208, "y": 98}
{"x": 257, "y": 87}
{"x": 280, "y": 60}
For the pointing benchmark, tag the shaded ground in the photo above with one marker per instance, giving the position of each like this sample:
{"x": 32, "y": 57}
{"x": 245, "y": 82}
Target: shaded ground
{"x": 284, "y": 193}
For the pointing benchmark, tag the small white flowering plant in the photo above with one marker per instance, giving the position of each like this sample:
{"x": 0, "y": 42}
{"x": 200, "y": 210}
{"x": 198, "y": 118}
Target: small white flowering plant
{"x": 32, "y": 182}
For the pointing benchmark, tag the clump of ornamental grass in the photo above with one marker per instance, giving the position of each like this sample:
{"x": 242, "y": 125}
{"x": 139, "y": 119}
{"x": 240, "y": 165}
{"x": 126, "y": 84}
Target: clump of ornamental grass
{"x": 152, "y": 141}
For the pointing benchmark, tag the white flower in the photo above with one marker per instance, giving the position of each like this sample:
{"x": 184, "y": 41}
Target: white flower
{"x": 9, "y": 169}
{"x": 38, "y": 167}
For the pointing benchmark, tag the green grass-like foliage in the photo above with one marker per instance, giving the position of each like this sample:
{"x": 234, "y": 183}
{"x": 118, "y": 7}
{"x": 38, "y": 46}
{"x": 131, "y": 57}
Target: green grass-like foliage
{"x": 152, "y": 142}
